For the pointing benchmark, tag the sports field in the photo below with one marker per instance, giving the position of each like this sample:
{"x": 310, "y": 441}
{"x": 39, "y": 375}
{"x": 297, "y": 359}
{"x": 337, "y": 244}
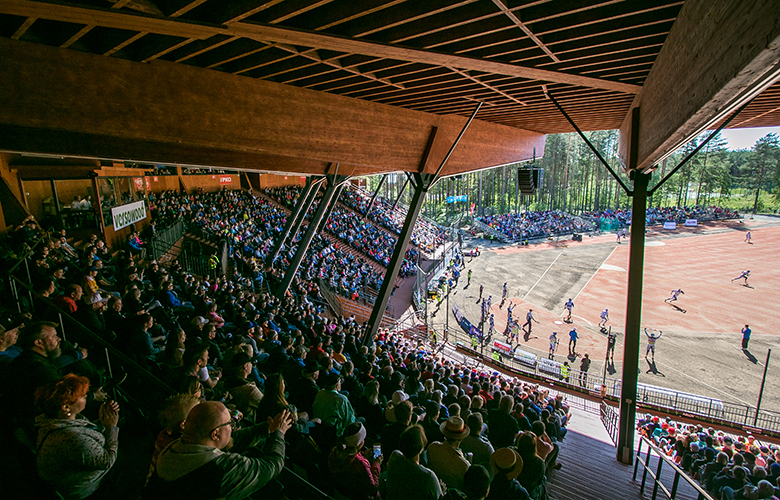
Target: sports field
{"x": 700, "y": 347}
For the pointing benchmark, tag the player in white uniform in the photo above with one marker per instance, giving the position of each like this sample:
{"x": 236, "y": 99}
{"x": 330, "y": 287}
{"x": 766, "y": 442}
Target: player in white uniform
{"x": 553, "y": 344}
{"x": 604, "y": 317}
{"x": 568, "y": 306}
{"x": 651, "y": 338}
{"x": 745, "y": 274}
{"x": 674, "y": 293}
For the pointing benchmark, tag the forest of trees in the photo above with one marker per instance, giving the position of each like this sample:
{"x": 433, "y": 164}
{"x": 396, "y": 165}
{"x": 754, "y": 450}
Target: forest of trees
{"x": 574, "y": 180}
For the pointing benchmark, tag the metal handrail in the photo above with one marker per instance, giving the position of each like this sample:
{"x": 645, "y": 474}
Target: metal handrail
{"x": 610, "y": 418}
{"x": 99, "y": 340}
{"x": 656, "y": 476}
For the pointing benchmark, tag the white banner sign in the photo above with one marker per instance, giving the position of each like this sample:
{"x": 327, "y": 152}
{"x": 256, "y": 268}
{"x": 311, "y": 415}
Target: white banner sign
{"x": 128, "y": 214}
{"x": 670, "y": 225}
{"x": 691, "y": 222}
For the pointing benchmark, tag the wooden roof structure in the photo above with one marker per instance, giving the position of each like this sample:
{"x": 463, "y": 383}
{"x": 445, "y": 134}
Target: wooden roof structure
{"x": 375, "y": 85}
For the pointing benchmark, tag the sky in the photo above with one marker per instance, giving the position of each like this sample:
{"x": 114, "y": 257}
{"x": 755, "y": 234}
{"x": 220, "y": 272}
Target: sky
{"x": 745, "y": 138}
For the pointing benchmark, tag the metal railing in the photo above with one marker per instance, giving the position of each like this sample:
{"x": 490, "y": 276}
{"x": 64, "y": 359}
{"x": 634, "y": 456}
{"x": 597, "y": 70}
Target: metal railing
{"x": 166, "y": 239}
{"x": 330, "y": 297}
{"x": 653, "y": 450}
{"x": 611, "y": 419}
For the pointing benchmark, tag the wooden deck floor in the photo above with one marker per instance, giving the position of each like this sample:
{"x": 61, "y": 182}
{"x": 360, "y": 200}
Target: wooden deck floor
{"x": 591, "y": 471}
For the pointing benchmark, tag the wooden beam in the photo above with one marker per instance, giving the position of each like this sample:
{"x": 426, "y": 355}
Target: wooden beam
{"x": 83, "y": 31}
{"x": 517, "y": 22}
{"x": 127, "y": 42}
{"x": 718, "y": 55}
{"x": 187, "y": 8}
{"x": 77, "y": 104}
{"x": 169, "y": 49}
{"x": 21, "y": 30}
{"x": 275, "y": 34}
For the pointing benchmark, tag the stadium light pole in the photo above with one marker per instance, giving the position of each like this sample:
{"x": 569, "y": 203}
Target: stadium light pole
{"x": 761, "y": 391}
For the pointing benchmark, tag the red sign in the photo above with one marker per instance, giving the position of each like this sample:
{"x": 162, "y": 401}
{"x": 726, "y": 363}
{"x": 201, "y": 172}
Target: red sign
{"x": 148, "y": 184}
{"x": 225, "y": 179}
{"x": 154, "y": 178}
{"x": 139, "y": 183}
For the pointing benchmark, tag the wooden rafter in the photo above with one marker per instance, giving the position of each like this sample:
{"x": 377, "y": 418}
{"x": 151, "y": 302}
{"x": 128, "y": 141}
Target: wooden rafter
{"x": 21, "y": 30}
{"x": 75, "y": 38}
{"x": 169, "y": 49}
{"x": 187, "y": 8}
{"x": 517, "y": 22}
{"x": 124, "y": 44}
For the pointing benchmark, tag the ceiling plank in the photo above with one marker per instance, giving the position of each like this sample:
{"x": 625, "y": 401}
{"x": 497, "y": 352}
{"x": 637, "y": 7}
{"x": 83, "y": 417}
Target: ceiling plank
{"x": 300, "y": 11}
{"x": 517, "y": 22}
{"x": 281, "y": 35}
{"x": 719, "y": 54}
{"x": 59, "y": 101}
{"x": 127, "y": 42}
{"x": 169, "y": 49}
{"x": 206, "y": 49}
{"x": 21, "y": 30}
{"x": 187, "y": 8}
{"x": 252, "y": 12}
{"x": 177, "y": 27}
{"x": 75, "y": 38}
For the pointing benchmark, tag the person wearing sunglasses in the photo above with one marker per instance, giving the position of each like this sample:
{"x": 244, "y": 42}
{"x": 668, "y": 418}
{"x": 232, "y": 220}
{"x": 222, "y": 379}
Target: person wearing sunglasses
{"x": 198, "y": 465}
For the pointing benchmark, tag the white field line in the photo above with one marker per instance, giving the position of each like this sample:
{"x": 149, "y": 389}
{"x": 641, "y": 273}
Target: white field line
{"x": 594, "y": 274}
{"x": 542, "y": 276}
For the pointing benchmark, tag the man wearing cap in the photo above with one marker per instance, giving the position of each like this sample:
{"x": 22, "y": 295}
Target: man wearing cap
{"x": 9, "y": 334}
{"x": 507, "y": 465}
{"x": 331, "y": 406}
{"x": 446, "y": 459}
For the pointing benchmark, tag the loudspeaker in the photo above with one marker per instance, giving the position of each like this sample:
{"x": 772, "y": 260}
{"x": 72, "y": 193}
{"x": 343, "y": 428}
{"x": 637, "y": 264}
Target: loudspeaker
{"x": 528, "y": 179}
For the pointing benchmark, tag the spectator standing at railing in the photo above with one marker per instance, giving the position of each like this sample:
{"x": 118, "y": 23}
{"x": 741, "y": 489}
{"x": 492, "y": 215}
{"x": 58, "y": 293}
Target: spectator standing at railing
{"x": 584, "y": 366}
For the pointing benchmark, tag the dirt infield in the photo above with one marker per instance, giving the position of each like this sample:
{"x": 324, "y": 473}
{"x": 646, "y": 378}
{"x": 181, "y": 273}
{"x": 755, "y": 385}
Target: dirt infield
{"x": 699, "y": 351}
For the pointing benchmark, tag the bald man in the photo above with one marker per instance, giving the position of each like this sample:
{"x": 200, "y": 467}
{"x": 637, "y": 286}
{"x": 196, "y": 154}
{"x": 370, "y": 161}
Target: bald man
{"x": 196, "y": 466}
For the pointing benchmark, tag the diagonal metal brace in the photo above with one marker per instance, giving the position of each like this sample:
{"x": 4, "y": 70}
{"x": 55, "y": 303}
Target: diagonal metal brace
{"x": 590, "y": 145}
{"x": 696, "y": 150}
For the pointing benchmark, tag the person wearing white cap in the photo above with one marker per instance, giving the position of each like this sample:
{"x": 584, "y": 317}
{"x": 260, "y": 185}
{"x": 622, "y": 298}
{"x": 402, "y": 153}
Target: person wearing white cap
{"x": 356, "y": 474}
{"x": 446, "y": 459}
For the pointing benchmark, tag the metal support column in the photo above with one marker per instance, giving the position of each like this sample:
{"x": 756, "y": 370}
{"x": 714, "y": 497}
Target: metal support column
{"x": 336, "y": 195}
{"x": 421, "y": 184}
{"x": 625, "y": 443}
{"x": 373, "y": 198}
{"x": 296, "y": 217}
{"x": 333, "y": 183}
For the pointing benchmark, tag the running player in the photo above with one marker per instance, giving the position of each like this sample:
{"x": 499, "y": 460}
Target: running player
{"x": 480, "y": 292}
{"x": 553, "y": 344}
{"x": 651, "y": 338}
{"x": 503, "y": 293}
{"x": 675, "y": 293}
{"x": 492, "y": 324}
{"x": 745, "y": 274}
{"x": 568, "y": 306}
{"x": 748, "y": 238}
{"x": 604, "y": 317}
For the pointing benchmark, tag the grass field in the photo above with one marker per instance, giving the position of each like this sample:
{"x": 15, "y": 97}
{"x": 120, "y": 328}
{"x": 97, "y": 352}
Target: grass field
{"x": 699, "y": 351}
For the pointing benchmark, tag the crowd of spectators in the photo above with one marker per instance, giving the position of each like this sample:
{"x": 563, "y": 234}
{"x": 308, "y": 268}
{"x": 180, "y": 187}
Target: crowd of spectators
{"x": 536, "y": 224}
{"x": 729, "y": 468}
{"x": 425, "y": 235}
{"x": 355, "y": 231}
{"x": 659, "y": 215}
{"x": 272, "y": 374}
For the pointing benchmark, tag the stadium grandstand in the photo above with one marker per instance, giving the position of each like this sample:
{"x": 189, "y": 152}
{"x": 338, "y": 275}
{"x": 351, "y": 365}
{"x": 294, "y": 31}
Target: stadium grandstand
{"x": 225, "y": 253}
